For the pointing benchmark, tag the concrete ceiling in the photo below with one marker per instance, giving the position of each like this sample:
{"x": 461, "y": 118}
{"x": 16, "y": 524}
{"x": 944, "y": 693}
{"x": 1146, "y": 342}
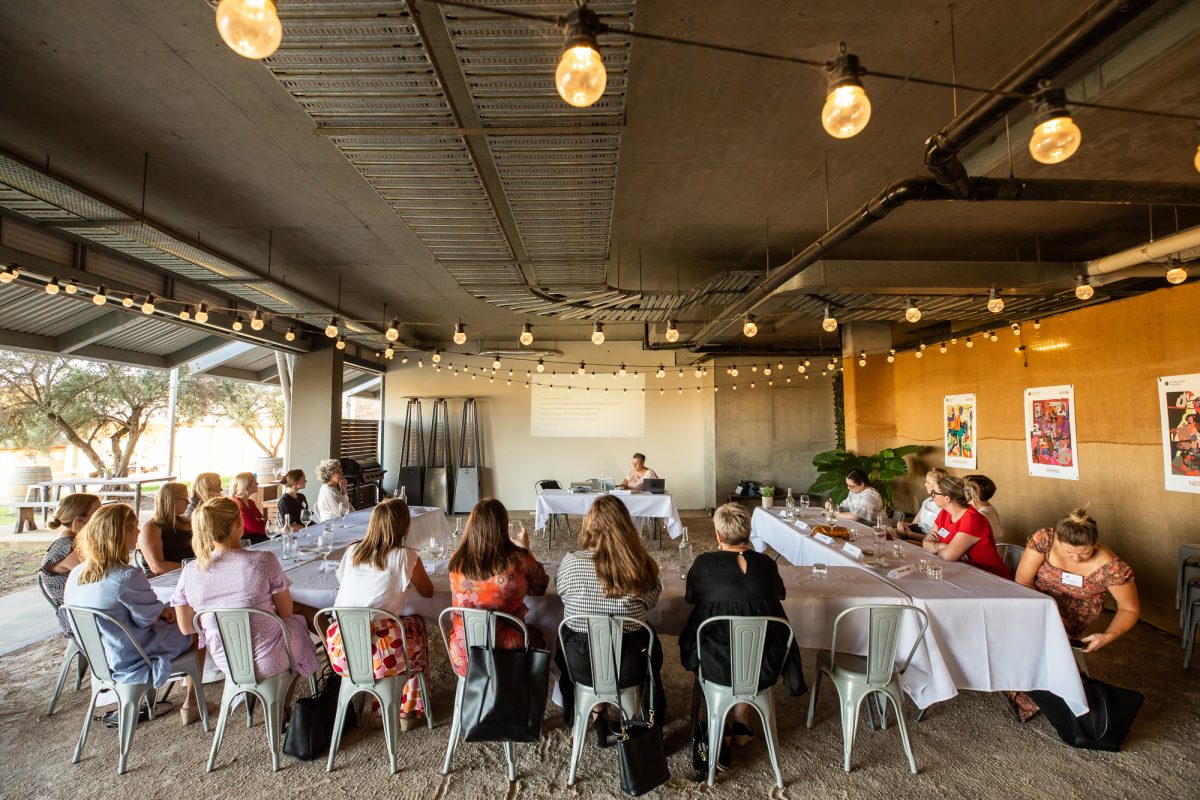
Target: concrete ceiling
{"x": 715, "y": 155}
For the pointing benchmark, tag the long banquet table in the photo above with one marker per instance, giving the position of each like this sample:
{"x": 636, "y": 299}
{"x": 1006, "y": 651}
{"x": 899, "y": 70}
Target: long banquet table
{"x": 640, "y": 505}
{"x": 985, "y": 633}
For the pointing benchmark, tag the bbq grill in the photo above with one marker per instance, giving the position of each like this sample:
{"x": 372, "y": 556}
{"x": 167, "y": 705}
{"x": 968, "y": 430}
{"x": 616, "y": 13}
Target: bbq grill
{"x": 364, "y": 480}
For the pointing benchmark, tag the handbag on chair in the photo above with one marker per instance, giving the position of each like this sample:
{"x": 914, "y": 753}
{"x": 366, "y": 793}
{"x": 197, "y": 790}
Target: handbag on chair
{"x": 504, "y": 694}
{"x": 641, "y": 754}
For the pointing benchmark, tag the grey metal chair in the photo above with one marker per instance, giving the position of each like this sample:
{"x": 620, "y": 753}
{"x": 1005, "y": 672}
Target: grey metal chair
{"x": 130, "y": 696}
{"x": 604, "y": 653}
{"x": 1192, "y": 619}
{"x": 747, "y": 637}
{"x": 1011, "y": 554}
{"x": 557, "y": 521}
{"x": 354, "y": 624}
{"x": 857, "y": 678}
{"x": 71, "y": 653}
{"x": 479, "y": 630}
{"x": 233, "y": 628}
{"x": 1189, "y": 567}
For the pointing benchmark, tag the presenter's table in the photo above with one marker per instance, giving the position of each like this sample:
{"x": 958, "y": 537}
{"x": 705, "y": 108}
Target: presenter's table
{"x": 640, "y": 504}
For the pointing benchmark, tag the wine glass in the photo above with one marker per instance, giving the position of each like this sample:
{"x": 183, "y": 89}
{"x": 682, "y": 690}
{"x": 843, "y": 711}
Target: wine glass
{"x": 325, "y": 546}
{"x": 305, "y": 520}
{"x": 514, "y": 531}
{"x": 437, "y": 550}
{"x": 344, "y": 508}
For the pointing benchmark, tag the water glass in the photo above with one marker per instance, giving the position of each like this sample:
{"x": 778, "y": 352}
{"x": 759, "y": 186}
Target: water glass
{"x": 851, "y": 535}
{"x": 344, "y": 509}
{"x": 803, "y": 503}
{"x": 897, "y": 550}
{"x": 923, "y": 565}
{"x": 820, "y": 571}
{"x": 514, "y": 531}
{"x": 877, "y": 538}
{"x": 325, "y": 546}
{"x": 934, "y": 571}
{"x": 404, "y": 494}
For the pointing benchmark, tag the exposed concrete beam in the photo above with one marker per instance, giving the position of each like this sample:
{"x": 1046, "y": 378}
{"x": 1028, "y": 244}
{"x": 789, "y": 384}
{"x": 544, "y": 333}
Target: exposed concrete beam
{"x": 48, "y": 345}
{"x": 95, "y": 331}
{"x": 216, "y": 358}
{"x": 229, "y": 373}
{"x": 269, "y": 373}
{"x": 361, "y": 384}
{"x": 196, "y": 349}
{"x": 931, "y": 277}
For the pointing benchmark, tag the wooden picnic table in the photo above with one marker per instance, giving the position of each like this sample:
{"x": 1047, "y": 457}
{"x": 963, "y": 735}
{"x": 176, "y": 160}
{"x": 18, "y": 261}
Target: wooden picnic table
{"x": 43, "y": 495}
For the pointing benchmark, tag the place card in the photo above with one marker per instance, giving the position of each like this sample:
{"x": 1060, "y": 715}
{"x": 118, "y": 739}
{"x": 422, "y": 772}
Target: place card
{"x": 900, "y": 572}
{"x": 852, "y": 549}
{"x": 824, "y": 538}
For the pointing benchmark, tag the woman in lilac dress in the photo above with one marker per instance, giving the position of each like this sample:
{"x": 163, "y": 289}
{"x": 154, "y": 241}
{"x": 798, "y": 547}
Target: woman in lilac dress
{"x": 226, "y": 576}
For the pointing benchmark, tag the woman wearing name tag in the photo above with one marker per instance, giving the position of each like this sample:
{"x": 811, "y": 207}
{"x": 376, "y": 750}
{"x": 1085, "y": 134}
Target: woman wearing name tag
{"x": 863, "y": 502}
{"x": 960, "y": 533}
{"x": 929, "y": 510}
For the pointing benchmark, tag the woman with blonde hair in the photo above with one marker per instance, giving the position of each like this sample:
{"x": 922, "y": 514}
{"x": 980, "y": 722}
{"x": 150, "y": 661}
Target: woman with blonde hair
{"x": 226, "y": 576}
{"x": 205, "y": 487}
{"x": 491, "y": 571}
{"x": 377, "y": 572}
{"x": 332, "y": 501}
{"x": 104, "y": 581}
{"x": 166, "y": 540}
{"x": 928, "y": 511}
{"x": 980, "y": 491}
{"x": 612, "y": 574}
{"x": 61, "y": 557}
{"x": 242, "y": 489}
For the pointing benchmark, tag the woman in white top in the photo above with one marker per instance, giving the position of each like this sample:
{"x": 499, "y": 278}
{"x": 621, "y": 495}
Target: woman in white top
{"x": 923, "y": 524}
{"x": 638, "y": 474}
{"x": 377, "y": 573}
{"x": 332, "y": 499}
{"x": 863, "y": 503}
{"x": 980, "y": 489}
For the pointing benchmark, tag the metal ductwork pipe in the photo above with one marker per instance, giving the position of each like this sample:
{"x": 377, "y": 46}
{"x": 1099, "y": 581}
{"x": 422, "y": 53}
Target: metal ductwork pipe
{"x": 1157, "y": 250}
{"x": 1073, "y": 41}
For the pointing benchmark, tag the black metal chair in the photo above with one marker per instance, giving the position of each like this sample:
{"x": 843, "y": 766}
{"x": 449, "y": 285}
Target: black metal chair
{"x": 557, "y": 521}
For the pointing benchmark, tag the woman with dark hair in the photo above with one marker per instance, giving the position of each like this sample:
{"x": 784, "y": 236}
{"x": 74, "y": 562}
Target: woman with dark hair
{"x": 491, "y": 571}
{"x": 638, "y": 474}
{"x": 291, "y": 502}
{"x": 980, "y": 490}
{"x": 863, "y": 502}
{"x": 612, "y": 574}
{"x": 960, "y": 532}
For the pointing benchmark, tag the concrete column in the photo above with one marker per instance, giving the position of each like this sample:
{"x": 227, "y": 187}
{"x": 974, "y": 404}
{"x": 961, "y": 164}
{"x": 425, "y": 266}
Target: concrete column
{"x": 314, "y": 424}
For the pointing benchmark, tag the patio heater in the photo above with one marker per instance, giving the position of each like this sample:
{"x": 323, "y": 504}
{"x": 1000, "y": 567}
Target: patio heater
{"x": 437, "y": 458}
{"x": 412, "y": 456}
{"x": 466, "y": 477}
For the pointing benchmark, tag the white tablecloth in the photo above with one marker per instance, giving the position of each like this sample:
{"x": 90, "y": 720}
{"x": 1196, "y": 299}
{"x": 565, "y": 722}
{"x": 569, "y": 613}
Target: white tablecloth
{"x": 640, "y": 504}
{"x": 986, "y": 633}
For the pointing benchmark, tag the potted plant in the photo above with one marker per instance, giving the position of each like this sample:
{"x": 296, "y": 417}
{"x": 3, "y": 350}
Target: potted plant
{"x": 768, "y": 495}
{"x": 834, "y": 465}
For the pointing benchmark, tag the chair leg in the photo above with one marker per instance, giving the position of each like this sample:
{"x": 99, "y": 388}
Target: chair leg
{"x": 87, "y": 724}
{"x": 716, "y": 727}
{"x": 578, "y": 734}
{"x": 812, "y": 698}
{"x": 1190, "y": 630}
{"x": 893, "y": 693}
{"x": 455, "y": 727}
{"x": 227, "y": 696}
{"x": 425, "y": 699}
{"x": 391, "y": 727}
{"x": 62, "y": 678}
{"x": 851, "y": 708}
{"x": 765, "y": 704}
{"x": 81, "y": 667}
{"x": 250, "y": 702}
{"x": 130, "y": 701}
{"x": 510, "y": 755}
{"x": 273, "y": 717}
{"x": 345, "y": 697}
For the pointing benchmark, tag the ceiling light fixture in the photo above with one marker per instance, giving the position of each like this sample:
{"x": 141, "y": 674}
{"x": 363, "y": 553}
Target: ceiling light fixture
{"x": 257, "y": 322}
{"x": 891, "y": 359}
{"x": 672, "y": 334}
{"x": 1083, "y": 289}
{"x": 72, "y": 287}
{"x": 829, "y": 323}
{"x": 101, "y": 296}
{"x": 598, "y": 333}
{"x": 460, "y": 333}
{"x": 393, "y": 331}
{"x": 237, "y": 322}
{"x": 148, "y": 304}
{"x": 581, "y": 77}
{"x": 662, "y": 372}
{"x": 1055, "y": 137}
{"x": 995, "y": 303}
{"x": 847, "y": 108}
{"x": 582, "y": 368}
{"x": 541, "y": 365}
{"x": 331, "y": 330}
{"x": 251, "y": 28}
{"x": 437, "y": 356}
{"x": 496, "y": 362}
{"x": 202, "y": 313}
{"x": 185, "y": 313}
{"x": 291, "y": 334}
{"x": 733, "y": 371}
{"x": 912, "y": 313}
{"x": 9, "y": 274}
{"x": 341, "y": 342}
{"x": 1176, "y": 272}
{"x": 862, "y": 358}
{"x": 621, "y": 371}
{"x": 53, "y": 286}
{"x": 127, "y": 301}
{"x": 526, "y": 337}
{"x": 749, "y": 328}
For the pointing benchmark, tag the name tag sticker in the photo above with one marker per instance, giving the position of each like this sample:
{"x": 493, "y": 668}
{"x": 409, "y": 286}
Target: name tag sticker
{"x": 852, "y": 550}
{"x": 823, "y": 538}
{"x": 900, "y": 572}
{"x": 943, "y": 534}
{"x": 1071, "y": 579}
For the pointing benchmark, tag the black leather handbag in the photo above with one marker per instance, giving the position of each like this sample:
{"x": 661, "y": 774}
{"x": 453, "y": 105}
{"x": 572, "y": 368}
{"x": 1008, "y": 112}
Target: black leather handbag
{"x": 504, "y": 694}
{"x": 641, "y": 754}
{"x": 1111, "y": 711}
{"x": 310, "y": 730}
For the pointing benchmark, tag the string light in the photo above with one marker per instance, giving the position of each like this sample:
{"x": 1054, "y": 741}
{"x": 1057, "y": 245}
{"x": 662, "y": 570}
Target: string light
{"x": 9, "y": 274}
{"x": 257, "y": 322}
{"x": 127, "y": 301}
{"x": 404, "y": 359}
{"x": 580, "y": 77}
{"x": 1083, "y": 289}
{"x": 72, "y": 287}
{"x": 749, "y": 327}
{"x": 541, "y": 365}
{"x": 919, "y": 354}
{"x": 862, "y": 358}
{"x": 393, "y": 331}
{"x": 341, "y": 342}
{"x": 992, "y": 335}
{"x": 251, "y": 28}
{"x": 995, "y": 303}
{"x": 662, "y": 373}
{"x": 331, "y": 330}
{"x": 526, "y": 337}
{"x": 53, "y": 286}
{"x": 202, "y": 313}
{"x": 582, "y": 368}
{"x": 766, "y": 370}
{"x": 733, "y": 371}
{"x": 460, "y": 333}
{"x": 942, "y": 348}
{"x": 389, "y": 353}
{"x": 1016, "y": 329}
{"x": 101, "y": 296}
{"x": 672, "y": 334}
{"x": 185, "y": 313}
{"x": 1177, "y": 273}
{"x": 1055, "y": 137}
{"x": 912, "y": 313}
{"x": 237, "y": 324}
{"x": 829, "y": 323}
{"x": 621, "y": 371}
{"x": 891, "y": 359}
{"x": 970, "y": 344}
{"x": 291, "y": 334}
{"x": 1037, "y": 324}
{"x": 496, "y": 363}
{"x": 437, "y": 356}
{"x": 598, "y": 333}
{"x": 801, "y": 367}
{"x": 847, "y": 108}
{"x": 148, "y": 305}
{"x": 754, "y": 367}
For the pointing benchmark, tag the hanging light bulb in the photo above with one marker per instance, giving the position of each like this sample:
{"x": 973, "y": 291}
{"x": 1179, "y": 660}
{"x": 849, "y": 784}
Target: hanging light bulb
{"x": 460, "y": 333}
{"x": 496, "y": 362}
{"x": 598, "y": 333}
{"x": 148, "y": 304}
{"x": 1083, "y": 289}
{"x": 541, "y": 365}
{"x": 582, "y": 368}
{"x": 995, "y": 303}
{"x": 912, "y": 313}
{"x": 829, "y": 323}
{"x": 291, "y": 334}
{"x": 766, "y": 370}
{"x": 969, "y": 342}
{"x": 185, "y": 313}
{"x": 733, "y": 371}
{"x": 862, "y": 358}
{"x": 331, "y": 330}
{"x": 662, "y": 372}
{"x": 754, "y": 367}
{"x": 581, "y": 77}
{"x": 72, "y": 287}
{"x": 801, "y": 368}
{"x": 1176, "y": 273}
{"x": 1055, "y": 137}
{"x": 1196, "y": 160}
{"x": 202, "y": 313}
{"x": 437, "y": 356}
{"x": 251, "y": 28}
{"x": 526, "y": 337}
{"x": 672, "y": 334}
{"x": 919, "y": 354}
{"x": 1037, "y": 324}
{"x": 992, "y": 335}
{"x": 749, "y": 328}
{"x": 621, "y": 371}
{"x": 847, "y": 109}
{"x": 237, "y": 323}
{"x": 393, "y": 331}
{"x": 53, "y": 286}
{"x": 341, "y": 342}
{"x": 127, "y": 301}
{"x": 257, "y": 322}
{"x": 1016, "y": 329}
{"x": 101, "y": 296}
{"x": 9, "y": 274}
{"x": 891, "y": 358}
{"x": 942, "y": 348}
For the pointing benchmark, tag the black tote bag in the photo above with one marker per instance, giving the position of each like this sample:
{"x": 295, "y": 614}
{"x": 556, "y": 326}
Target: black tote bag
{"x": 504, "y": 694}
{"x": 641, "y": 754}
{"x": 1111, "y": 711}
{"x": 310, "y": 730}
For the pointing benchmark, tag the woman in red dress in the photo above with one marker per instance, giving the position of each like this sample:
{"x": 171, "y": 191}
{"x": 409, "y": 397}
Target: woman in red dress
{"x": 960, "y": 533}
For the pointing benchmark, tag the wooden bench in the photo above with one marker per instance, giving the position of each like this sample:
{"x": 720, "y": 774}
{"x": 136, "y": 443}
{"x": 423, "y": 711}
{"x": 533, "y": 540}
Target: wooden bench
{"x": 26, "y": 510}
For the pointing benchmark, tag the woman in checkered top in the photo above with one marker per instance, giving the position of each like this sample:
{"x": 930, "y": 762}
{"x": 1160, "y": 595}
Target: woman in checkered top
{"x": 612, "y": 575}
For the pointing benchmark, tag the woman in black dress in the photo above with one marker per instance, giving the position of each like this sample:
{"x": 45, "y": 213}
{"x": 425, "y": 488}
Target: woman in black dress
{"x": 736, "y": 581}
{"x": 292, "y": 503}
{"x": 166, "y": 539}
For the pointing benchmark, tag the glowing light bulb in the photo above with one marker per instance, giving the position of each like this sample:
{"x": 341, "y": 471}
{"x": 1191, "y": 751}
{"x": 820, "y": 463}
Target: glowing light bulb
{"x": 662, "y": 372}
{"x": 801, "y": 368}
{"x": 598, "y": 333}
{"x": 251, "y": 28}
{"x": 829, "y": 323}
{"x": 331, "y": 330}
{"x": 919, "y": 354}
{"x": 202, "y": 313}
{"x": 148, "y": 304}
{"x": 1196, "y": 160}
{"x": 891, "y": 359}
{"x": 993, "y": 336}
{"x": 621, "y": 371}
{"x": 101, "y": 296}
{"x": 341, "y": 342}
{"x": 541, "y": 365}
{"x": 291, "y": 334}
{"x": 71, "y": 288}
{"x": 766, "y": 370}
{"x": 185, "y": 313}
{"x": 460, "y": 333}
{"x": 912, "y": 313}
{"x": 52, "y": 287}
{"x": 581, "y": 77}
{"x": 1177, "y": 274}
{"x": 496, "y": 363}
{"x": 847, "y": 108}
{"x": 582, "y": 368}
{"x": 733, "y": 371}
{"x": 672, "y": 334}
{"x": 257, "y": 322}
{"x": 1016, "y": 329}
{"x": 995, "y": 303}
{"x": 862, "y": 359}
{"x": 437, "y": 357}
{"x": 749, "y": 328}
{"x": 1083, "y": 289}
{"x": 526, "y": 337}
{"x": 942, "y": 348}
{"x": 127, "y": 301}
{"x": 393, "y": 331}
{"x": 969, "y": 342}
{"x": 1055, "y": 137}
{"x": 9, "y": 274}
{"x": 237, "y": 323}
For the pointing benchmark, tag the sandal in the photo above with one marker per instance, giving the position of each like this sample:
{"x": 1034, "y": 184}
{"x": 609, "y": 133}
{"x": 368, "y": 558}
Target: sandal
{"x": 741, "y": 735}
{"x": 407, "y": 723}
{"x": 190, "y": 716}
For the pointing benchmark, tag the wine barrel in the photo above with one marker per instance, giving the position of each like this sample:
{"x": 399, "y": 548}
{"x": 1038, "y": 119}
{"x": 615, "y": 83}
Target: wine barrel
{"x": 20, "y": 479}
{"x": 264, "y": 469}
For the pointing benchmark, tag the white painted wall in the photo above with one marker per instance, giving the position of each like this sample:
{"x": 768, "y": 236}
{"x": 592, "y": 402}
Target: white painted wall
{"x": 677, "y": 443}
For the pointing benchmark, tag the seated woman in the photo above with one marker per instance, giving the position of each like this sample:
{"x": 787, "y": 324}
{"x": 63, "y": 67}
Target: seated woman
{"x": 226, "y": 576}
{"x": 960, "y": 532}
{"x": 489, "y": 570}
{"x": 206, "y": 486}
{"x": 736, "y": 581}
{"x": 332, "y": 500}
{"x": 72, "y": 514}
{"x": 980, "y": 490}
{"x": 1068, "y": 564}
{"x": 166, "y": 540}
{"x": 104, "y": 581}
{"x": 928, "y": 512}
{"x": 863, "y": 503}
{"x": 377, "y": 572}
{"x": 242, "y": 489}
{"x": 292, "y": 503}
{"x": 613, "y": 574}
{"x": 638, "y": 474}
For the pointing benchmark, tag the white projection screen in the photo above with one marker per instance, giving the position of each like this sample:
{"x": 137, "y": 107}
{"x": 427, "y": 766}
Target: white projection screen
{"x": 583, "y": 406}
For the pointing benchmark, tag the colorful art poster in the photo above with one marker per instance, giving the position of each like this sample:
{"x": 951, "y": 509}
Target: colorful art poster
{"x": 1179, "y": 399}
{"x": 1050, "y": 443}
{"x": 958, "y": 425}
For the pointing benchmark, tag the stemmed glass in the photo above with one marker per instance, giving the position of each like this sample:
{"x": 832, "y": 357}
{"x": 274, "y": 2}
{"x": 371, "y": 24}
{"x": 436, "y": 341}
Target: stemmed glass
{"x": 437, "y": 549}
{"x": 344, "y": 508}
{"x": 325, "y": 546}
{"x": 305, "y": 520}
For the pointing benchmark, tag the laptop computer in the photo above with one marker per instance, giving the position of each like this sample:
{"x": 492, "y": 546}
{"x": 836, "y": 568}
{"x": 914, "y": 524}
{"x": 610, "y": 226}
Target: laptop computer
{"x": 654, "y": 485}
